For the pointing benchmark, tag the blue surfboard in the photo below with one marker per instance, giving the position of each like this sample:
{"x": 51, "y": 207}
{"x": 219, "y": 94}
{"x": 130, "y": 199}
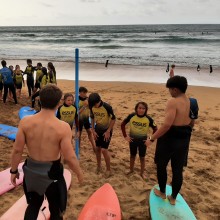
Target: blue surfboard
{"x": 8, "y": 131}
{"x": 161, "y": 209}
{"x": 25, "y": 111}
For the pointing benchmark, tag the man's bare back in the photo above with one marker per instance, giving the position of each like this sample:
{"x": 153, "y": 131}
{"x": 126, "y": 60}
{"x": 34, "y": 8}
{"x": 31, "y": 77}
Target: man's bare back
{"x": 43, "y": 133}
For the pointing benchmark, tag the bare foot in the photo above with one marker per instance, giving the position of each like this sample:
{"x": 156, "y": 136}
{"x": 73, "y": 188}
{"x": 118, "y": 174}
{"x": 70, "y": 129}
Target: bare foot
{"x": 108, "y": 174}
{"x": 129, "y": 172}
{"x": 171, "y": 200}
{"x": 98, "y": 170}
{"x": 159, "y": 193}
{"x": 143, "y": 176}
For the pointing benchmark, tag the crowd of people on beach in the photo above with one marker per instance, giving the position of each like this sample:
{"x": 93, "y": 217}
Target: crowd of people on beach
{"x": 53, "y": 125}
{"x": 12, "y": 80}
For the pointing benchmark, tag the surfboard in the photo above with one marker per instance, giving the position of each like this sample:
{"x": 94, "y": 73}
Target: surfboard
{"x": 18, "y": 209}
{"x": 103, "y": 204}
{"x": 25, "y": 111}
{"x": 5, "y": 183}
{"x": 161, "y": 209}
{"x": 8, "y": 131}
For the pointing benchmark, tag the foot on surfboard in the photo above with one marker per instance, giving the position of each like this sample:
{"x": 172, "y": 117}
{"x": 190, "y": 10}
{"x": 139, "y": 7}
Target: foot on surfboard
{"x": 159, "y": 193}
{"x": 171, "y": 200}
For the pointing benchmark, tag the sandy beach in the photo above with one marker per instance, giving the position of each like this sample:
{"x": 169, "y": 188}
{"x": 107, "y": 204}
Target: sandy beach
{"x": 201, "y": 178}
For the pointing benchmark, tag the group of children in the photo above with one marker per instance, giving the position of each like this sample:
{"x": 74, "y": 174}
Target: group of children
{"x": 98, "y": 118}
{"x": 43, "y": 76}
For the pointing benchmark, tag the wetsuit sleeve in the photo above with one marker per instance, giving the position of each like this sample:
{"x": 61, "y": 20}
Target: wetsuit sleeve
{"x": 91, "y": 114}
{"x": 58, "y": 112}
{"x": 109, "y": 110}
{"x": 25, "y": 72}
{"x": 152, "y": 124}
{"x": 125, "y": 121}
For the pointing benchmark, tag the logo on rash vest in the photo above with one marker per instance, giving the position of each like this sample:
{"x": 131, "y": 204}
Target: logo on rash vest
{"x": 98, "y": 114}
{"x": 67, "y": 113}
{"x": 139, "y": 124}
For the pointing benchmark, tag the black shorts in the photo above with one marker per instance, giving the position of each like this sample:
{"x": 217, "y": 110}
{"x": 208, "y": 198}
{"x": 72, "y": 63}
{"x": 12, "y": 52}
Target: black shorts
{"x": 100, "y": 142}
{"x": 37, "y": 85}
{"x": 84, "y": 123}
{"x": 1, "y": 86}
{"x": 140, "y": 145}
{"x": 18, "y": 86}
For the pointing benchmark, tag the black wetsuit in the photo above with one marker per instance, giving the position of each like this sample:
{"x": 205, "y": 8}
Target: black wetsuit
{"x": 173, "y": 145}
{"x": 30, "y": 78}
{"x": 44, "y": 178}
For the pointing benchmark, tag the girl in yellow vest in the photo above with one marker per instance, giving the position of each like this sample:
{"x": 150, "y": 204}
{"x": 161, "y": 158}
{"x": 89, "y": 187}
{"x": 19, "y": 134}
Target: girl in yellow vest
{"x": 18, "y": 79}
{"x": 51, "y": 73}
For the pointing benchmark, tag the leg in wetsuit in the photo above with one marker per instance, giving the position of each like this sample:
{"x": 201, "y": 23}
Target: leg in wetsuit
{"x": 172, "y": 146}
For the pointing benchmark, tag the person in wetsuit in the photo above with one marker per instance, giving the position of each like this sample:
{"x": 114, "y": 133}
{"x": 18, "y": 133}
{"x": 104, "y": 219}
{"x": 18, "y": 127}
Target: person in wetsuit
{"x": 68, "y": 112}
{"x": 30, "y": 76}
{"x": 18, "y": 80}
{"x": 139, "y": 123}
{"x": 173, "y": 138}
{"x": 46, "y": 138}
{"x": 38, "y": 76}
{"x": 102, "y": 120}
{"x": 84, "y": 114}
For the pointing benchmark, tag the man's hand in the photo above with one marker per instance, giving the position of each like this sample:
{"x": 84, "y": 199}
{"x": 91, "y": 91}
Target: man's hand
{"x": 129, "y": 139}
{"x": 14, "y": 177}
{"x": 148, "y": 142}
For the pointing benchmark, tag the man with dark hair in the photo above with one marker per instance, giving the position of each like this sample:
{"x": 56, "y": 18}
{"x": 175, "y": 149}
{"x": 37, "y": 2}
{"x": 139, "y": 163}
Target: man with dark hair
{"x": 7, "y": 78}
{"x": 173, "y": 138}
{"x": 103, "y": 120}
{"x": 46, "y": 138}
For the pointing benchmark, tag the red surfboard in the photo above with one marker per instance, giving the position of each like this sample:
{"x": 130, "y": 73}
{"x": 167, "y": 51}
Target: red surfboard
{"x": 18, "y": 209}
{"x": 102, "y": 205}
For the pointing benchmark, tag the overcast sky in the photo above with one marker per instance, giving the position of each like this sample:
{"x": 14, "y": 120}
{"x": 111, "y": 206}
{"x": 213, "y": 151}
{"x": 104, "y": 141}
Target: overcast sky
{"x": 106, "y": 12}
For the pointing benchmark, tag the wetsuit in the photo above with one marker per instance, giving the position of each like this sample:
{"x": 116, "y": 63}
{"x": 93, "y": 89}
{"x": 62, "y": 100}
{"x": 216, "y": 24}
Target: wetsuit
{"x": 68, "y": 114}
{"x": 18, "y": 79}
{"x": 30, "y": 78}
{"x": 84, "y": 115}
{"x": 44, "y": 178}
{"x": 173, "y": 145}
{"x": 139, "y": 126}
{"x": 102, "y": 116}
{"x": 38, "y": 76}
{"x": 8, "y": 83}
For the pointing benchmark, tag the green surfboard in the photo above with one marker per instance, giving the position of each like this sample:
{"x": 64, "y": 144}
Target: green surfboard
{"x": 161, "y": 209}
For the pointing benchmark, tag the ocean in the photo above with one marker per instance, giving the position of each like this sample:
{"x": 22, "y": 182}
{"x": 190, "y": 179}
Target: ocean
{"x": 153, "y": 45}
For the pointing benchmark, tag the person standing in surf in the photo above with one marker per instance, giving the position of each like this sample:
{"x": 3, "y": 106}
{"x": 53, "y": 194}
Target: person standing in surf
{"x": 46, "y": 138}
{"x": 173, "y": 138}
{"x": 172, "y": 70}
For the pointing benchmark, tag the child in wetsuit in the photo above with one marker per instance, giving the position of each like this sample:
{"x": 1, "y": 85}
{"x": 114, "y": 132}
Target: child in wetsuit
{"x": 39, "y": 74}
{"x": 139, "y": 123}
{"x": 84, "y": 114}
{"x": 30, "y": 76}
{"x": 68, "y": 112}
{"x": 18, "y": 80}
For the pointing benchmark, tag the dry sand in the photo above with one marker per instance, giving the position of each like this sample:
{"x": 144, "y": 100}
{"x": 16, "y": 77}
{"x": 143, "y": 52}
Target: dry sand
{"x": 201, "y": 178}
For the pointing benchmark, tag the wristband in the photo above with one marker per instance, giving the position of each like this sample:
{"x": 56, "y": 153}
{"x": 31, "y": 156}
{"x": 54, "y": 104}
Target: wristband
{"x": 14, "y": 172}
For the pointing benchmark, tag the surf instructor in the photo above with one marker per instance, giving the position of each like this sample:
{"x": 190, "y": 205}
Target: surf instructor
{"x": 173, "y": 138}
{"x": 46, "y": 138}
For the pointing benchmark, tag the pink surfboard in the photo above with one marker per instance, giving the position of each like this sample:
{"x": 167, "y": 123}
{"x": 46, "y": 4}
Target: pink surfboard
{"x": 5, "y": 179}
{"x": 18, "y": 209}
{"x": 102, "y": 205}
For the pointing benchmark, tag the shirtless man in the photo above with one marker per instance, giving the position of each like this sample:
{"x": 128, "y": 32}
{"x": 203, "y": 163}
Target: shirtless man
{"x": 173, "y": 138}
{"x": 46, "y": 138}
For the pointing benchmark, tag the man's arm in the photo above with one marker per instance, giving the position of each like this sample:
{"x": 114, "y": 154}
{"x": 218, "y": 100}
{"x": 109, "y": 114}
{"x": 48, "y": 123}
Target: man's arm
{"x": 17, "y": 151}
{"x": 68, "y": 152}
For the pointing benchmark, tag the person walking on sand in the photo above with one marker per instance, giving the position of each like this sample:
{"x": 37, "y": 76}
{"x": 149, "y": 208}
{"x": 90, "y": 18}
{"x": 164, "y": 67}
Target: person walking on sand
{"x": 103, "y": 120}
{"x": 46, "y": 138}
{"x": 139, "y": 123}
{"x": 173, "y": 138}
{"x": 168, "y": 68}
{"x": 172, "y": 70}
{"x": 210, "y": 69}
{"x": 8, "y": 83}
{"x": 198, "y": 68}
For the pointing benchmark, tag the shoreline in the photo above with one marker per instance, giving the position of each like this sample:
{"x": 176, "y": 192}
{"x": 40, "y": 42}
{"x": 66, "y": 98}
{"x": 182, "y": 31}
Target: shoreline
{"x": 128, "y": 73}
